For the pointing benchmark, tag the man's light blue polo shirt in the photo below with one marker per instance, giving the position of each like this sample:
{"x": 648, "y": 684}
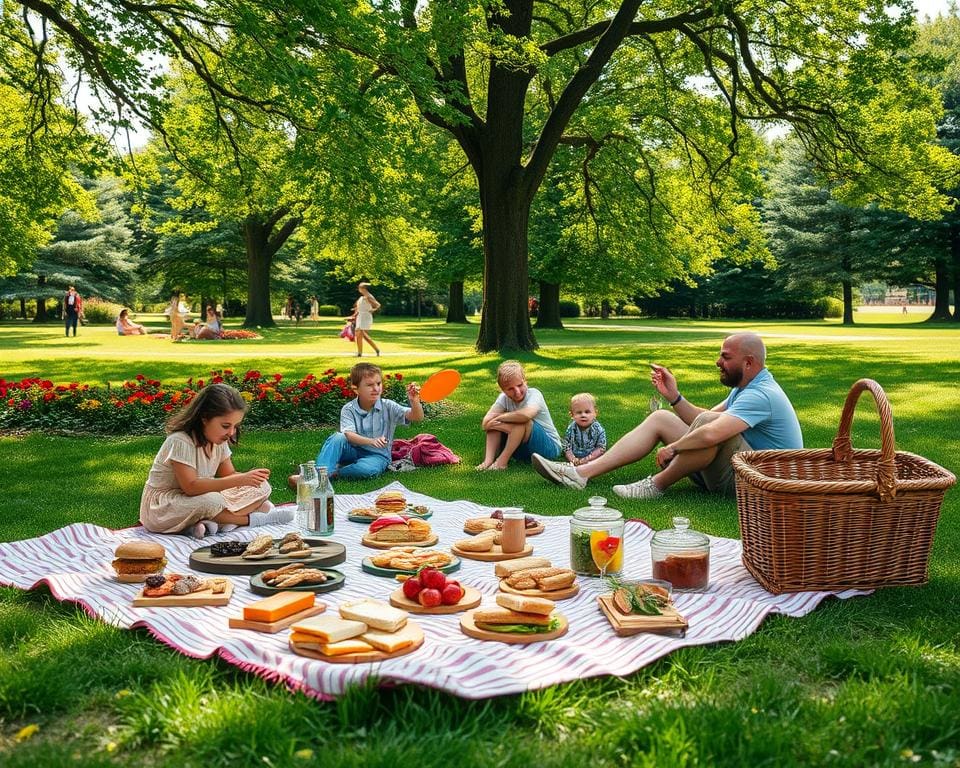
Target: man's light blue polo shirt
{"x": 765, "y": 407}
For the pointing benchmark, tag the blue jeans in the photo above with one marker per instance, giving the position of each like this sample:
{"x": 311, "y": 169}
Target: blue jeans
{"x": 70, "y": 321}
{"x": 539, "y": 442}
{"x": 345, "y": 460}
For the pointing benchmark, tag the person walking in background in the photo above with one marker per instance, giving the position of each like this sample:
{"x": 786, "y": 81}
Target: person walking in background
{"x": 72, "y": 310}
{"x": 126, "y": 327}
{"x": 314, "y": 308}
{"x": 176, "y": 311}
{"x": 363, "y": 312}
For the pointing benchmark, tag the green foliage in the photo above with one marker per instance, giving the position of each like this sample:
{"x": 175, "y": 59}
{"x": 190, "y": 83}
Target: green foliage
{"x": 99, "y": 311}
{"x": 569, "y": 308}
{"x": 831, "y": 307}
{"x": 630, "y": 310}
{"x": 328, "y": 310}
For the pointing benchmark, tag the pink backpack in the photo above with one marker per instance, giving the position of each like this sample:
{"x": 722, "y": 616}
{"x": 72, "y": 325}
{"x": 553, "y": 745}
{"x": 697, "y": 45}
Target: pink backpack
{"x": 424, "y": 451}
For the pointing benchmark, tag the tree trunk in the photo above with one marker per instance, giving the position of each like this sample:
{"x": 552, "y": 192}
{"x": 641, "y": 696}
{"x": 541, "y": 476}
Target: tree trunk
{"x": 505, "y": 321}
{"x": 941, "y": 307}
{"x": 605, "y": 309}
{"x": 548, "y": 316}
{"x": 955, "y": 263}
{"x": 41, "y": 316}
{"x": 847, "y": 302}
{"x": 456, "y": 312}
{"x": 256, "y": 239}
{"x": 23, "y": 308}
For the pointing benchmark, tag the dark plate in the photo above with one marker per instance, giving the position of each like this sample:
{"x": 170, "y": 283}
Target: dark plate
{"x": 376, "y": 570}
{"x": 325, "y": 553}
{"x": 335, "y": 581}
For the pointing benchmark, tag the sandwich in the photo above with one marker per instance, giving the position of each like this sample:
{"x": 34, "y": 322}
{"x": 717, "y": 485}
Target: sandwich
{"x": 375, "y": 614}
{"x": 482, "y": 542}
{"x": 326, "y": 629}
{"x": 135, "y": 560}
{"x": 544, "y": 579}
{"x": 393, "y": 528}
{"x": 507, "y": 567}
{"x": 524, "y": 604}
{"x": 514, "y": 622}
{"x": 390, "y": 501}
{"x": 389, "y": 642}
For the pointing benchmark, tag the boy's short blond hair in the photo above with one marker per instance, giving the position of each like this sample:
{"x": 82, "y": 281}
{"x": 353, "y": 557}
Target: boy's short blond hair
{"x": 361, "y": 370}
{"x": 509, "y": 369}
{"x": 583, "y": 396}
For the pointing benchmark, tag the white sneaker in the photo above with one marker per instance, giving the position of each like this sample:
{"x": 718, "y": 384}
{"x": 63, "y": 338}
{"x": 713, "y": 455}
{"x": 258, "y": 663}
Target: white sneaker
{"x": 274, "y": 516}
{"x": 642, "y": 489}
{"x": 561, "y": 474}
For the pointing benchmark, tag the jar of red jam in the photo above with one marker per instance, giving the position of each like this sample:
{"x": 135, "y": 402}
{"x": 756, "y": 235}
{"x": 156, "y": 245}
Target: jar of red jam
{"x": 681, "y": 556}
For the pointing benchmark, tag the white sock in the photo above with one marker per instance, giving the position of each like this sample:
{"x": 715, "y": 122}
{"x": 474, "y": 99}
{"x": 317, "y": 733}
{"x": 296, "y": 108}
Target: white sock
{"x": 227, "y": 527}
{"x": 212, "y": 526}
{"x": 267, "y": 506}
{"x": 198, "y": 531}
{"x": 273, "y": 516}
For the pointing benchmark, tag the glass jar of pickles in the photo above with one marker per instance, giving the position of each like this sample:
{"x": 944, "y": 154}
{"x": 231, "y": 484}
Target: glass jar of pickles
{"x": 681, "y": 556}
{"x": 596, "y": 539}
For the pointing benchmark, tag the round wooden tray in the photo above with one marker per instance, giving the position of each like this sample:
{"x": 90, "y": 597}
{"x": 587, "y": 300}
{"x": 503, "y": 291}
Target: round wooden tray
{"x": 334, "y": 581}
{"x": 557, "y": 594}
{"x": 367, "y": 519}
{"x": 376, "y": 570}
{"x": 469, "y": 628}
{"x": 374, "y": 544}
{"x": 494, "y": 555}
{"x": 325, "y": 553}
{"x": 361, "y": 658}
{"x": 470, "y": 599}
{"x": 537, "y": 529}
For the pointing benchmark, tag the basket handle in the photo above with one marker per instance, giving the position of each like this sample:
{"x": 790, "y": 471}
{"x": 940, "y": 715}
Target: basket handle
{"x": 843, "y": 449}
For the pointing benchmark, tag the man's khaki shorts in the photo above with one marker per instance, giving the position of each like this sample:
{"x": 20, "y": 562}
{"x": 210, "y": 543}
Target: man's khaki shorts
{"x": 719, "y": 476}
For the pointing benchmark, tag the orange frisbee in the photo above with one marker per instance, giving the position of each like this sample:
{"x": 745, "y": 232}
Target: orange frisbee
{"x": 439, "y": 385}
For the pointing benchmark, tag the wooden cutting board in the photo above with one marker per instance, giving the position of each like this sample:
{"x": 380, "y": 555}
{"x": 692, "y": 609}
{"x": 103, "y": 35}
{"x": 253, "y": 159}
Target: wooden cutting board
{"x": 469, "y": 628}
{"x": 359, "y": 658}
{"x": 272, "y": 627}
{"x": 557, "y": 594}
{"x": 669, "y": 621}
{"x": 494, "y": 554}
{"x": 203, "y": 597}
{"x": 374, "y": 544}
{"x": 470, "y": 599}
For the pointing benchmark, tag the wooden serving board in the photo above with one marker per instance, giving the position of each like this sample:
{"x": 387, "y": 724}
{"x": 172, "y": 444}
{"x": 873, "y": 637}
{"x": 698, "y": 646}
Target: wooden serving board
{"x": 367, "y": 565}
{"x": 495, "y": 554}
{"x": 369, "y": 519}
{"x": 537, "y": 529}
{"x": 470, "y": 599}
{"x": 272, "y": 627}
{"x": 324, "y": 553}
{"x": 669, "y": 621}
{"x": 469, "y": 628}
{"x": 203, "y": 597}
{"x": 359, "y": 658}
{"x": 335, "y": 580}
{"x": 134, "y": 578}
{"x": 374, "y": 544}
{"x": 557, "y": 594}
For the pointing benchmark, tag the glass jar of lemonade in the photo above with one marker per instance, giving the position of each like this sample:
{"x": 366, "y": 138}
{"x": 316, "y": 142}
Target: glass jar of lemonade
{"x": 596, "y": 539}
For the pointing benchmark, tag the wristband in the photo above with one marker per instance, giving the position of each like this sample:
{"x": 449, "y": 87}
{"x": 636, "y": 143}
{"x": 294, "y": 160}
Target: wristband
{"x": 679, "y": 398}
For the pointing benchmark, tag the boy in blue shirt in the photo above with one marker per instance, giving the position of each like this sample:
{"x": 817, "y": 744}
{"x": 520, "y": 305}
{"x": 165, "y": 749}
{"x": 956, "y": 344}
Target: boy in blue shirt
{"x": 362, "y": 446}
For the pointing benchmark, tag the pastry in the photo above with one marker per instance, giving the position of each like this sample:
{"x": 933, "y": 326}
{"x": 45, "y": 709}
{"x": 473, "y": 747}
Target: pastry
{"x": 480, "y": 543}
{"x": 410, "y": 558}
{"x": 545, "y": 579}
{"x": 259, "y": 547}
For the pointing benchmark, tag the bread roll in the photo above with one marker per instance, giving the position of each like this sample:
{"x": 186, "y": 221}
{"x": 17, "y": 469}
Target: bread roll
{"x": 506, "y": 567}
{"x": 522, "y": 604}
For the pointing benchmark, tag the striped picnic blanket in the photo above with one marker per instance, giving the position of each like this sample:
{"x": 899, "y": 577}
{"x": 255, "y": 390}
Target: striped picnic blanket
{"x": 75, "y": 563}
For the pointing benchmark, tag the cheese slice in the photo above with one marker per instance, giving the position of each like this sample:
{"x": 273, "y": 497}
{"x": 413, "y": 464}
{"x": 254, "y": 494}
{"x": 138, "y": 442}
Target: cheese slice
{"x": 279, "y": 606}
{"x": 328, "y": 629}
{"x": 391, "y": 641}
{"x": 375, "y": 614}
{"x": 354, "y": 645}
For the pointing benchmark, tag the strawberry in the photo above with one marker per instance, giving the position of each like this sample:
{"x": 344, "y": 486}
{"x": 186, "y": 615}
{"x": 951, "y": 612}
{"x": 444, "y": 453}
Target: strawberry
{"x": 411, "y": 588}
{"x": 432, "y": 578}
{"x": 429, "y": 598}
{"x": 452, "y": 593}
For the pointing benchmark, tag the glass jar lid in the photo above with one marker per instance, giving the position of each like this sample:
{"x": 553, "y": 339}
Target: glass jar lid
{"x": 597, "y": 512}
{"x": 681, "y": 537}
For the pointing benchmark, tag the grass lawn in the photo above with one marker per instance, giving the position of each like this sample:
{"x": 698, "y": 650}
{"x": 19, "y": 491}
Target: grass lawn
{"x": 868, "y": 681}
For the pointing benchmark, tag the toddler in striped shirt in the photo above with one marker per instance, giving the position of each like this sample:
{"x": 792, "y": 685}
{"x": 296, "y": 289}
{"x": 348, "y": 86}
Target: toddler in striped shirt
{"x": 585, "y": 438}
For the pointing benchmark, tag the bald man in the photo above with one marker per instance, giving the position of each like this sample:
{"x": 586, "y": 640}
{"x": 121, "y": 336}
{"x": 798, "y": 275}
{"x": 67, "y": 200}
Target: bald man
{"x": 696, "y": 442}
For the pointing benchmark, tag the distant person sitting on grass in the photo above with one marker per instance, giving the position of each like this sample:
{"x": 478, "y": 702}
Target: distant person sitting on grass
{"x": 362, "y": 446}
{"x": 212, "y": 329}
{"x": 193, "y": 487}
{"x": 126, "y": 327}
{"x": 585, "y": 438}
{"x": 698, "y": 443}
{"x": 518, "y": 424}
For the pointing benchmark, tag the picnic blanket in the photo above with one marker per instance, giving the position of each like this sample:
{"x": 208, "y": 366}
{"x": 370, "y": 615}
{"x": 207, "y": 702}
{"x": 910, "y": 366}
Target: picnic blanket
{"x": 74, "y": 562}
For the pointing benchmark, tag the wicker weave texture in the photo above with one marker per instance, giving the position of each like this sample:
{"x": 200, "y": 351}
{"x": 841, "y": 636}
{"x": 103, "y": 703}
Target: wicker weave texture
{"x": 827, "y": 519}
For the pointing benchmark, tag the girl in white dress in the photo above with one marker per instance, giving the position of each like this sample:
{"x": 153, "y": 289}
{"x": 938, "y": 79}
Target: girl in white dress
{"x": 363, "y": 312}
{"x": 193, "y": 487}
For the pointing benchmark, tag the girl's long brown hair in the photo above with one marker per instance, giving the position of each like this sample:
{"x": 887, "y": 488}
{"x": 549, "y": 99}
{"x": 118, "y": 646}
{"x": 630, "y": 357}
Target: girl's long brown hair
{"x": 212, "y": 401}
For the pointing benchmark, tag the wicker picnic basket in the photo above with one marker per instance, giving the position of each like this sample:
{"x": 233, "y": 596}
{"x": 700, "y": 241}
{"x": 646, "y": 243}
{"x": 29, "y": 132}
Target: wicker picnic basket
{"x": 839, "y": 518}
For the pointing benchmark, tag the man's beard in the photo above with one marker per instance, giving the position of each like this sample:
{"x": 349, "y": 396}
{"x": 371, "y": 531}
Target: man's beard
{"x": 731, "y": 378}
